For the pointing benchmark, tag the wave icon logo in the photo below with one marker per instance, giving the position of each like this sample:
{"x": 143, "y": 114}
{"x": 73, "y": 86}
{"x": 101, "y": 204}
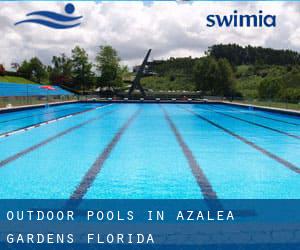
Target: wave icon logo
{"x": 54, "y": 20}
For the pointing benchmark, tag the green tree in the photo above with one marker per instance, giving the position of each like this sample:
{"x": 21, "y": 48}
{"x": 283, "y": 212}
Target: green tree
{"x": 108, "y": 65}
{"x": 81, "y": 69}
{"x": 270, "y": 88}
{"x": 2, "y": 70}
{"x": 224, "y": 83}
{"x": 38, "y": 70}
{"x": 25, "y": 69}
{"x": 205, "y": 74}
{"x": 61, "y": 71}
{"x": 238, "y": 55}
{"x": 33, "y": 70}
{"x": 213, "y": 76}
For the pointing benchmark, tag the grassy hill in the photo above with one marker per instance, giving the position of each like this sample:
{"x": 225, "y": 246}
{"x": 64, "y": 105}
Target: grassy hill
{"x": 166, "y": 83}
{"x": 172, "y": 74}
{"x": 254, "y": 81}
{"x": 249, "y": 78}
{"x": 15, "y": 79}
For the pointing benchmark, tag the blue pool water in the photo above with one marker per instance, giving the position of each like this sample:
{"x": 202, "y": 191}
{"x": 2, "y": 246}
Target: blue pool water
{"x": 149, "y": 151}
{"x": 17, "y": 120}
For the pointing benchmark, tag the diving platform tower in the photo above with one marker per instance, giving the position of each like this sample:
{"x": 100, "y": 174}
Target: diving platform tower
{"x": 136, "y": 84}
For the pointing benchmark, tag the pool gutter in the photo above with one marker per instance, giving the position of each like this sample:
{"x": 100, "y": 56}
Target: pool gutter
{"x": 263, "y": 108}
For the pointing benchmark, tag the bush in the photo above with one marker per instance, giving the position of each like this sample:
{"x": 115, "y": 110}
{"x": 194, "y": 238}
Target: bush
{"x": 172, "y": 78}
{"x": 270, "y": 88}
{"x": 11, "y": 73}
{"x": 290, "y": 95}
{"x": 2, "y": 70}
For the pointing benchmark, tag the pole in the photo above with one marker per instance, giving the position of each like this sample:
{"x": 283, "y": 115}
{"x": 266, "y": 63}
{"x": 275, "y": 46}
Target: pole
{"x": 47, "y": 98}
{"x": 82, "y": 76}
{"x": 27, "y": 99}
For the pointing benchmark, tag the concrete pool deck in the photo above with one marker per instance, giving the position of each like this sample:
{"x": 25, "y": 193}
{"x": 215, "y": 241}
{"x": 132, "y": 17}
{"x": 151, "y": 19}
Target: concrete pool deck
{"x": 108, "y": 100}
{"x": 32, "y": 106}
{"x": 265, "y": 108}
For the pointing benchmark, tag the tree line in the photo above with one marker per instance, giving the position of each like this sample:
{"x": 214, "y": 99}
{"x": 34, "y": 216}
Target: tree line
{"x": 76, "y": 71}
{"x": 209, "y": 75}
{"x": 271, "y": 73}
{"x": 238, "y": 55}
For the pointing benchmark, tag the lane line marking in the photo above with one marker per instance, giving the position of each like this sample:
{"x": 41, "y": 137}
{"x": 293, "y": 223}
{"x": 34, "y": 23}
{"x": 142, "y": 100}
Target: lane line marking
{"x": 266, "y": 117}
{"x": 201, "y": 179}
{"x": 280, "y": 160}
{"x": 94, "y": 170}
{"x": 256, "y": 124}
{"x": 38, "y": 114}
{"x": 50, "y": 139}
{"x": 6, "y": 134}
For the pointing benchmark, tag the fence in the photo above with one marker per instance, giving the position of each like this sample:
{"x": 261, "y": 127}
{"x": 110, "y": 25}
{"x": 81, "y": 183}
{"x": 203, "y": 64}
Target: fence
{"x": 14, "y": 94}
{"x": 287, "y": 104}
{"x": 30, "y": 94}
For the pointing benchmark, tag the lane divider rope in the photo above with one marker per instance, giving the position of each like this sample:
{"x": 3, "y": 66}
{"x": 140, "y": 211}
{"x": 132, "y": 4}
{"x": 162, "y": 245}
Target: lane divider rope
{"x": 50, "y": 139}
{"x": 17, "y": 131}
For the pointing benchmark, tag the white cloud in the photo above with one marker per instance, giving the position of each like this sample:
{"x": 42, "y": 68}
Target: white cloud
{"x": 170, "y": 29}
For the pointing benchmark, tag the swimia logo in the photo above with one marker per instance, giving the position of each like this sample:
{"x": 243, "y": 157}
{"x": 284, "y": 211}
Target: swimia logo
{"x": 239, "y": 20}
{"x": 54, "y": 20}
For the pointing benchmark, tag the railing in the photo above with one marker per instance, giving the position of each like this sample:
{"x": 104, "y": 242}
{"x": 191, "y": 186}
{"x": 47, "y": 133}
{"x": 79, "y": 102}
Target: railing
{"x": 14, "y": 101}
{"x": 287, "y": 104}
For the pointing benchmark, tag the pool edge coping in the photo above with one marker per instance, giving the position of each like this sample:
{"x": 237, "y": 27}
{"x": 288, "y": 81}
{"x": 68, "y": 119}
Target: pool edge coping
{"x": 33, "y": 106}
{"x": 264, "y": 108}
{"x": 243, "y": 105}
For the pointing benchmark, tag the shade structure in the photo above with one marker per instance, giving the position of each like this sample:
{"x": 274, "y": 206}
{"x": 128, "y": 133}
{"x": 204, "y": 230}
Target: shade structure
{"x": 48, "y": 87}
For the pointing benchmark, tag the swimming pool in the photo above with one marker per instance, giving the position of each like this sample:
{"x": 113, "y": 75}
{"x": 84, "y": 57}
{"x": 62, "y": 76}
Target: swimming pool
{"x": 194, "y": 151}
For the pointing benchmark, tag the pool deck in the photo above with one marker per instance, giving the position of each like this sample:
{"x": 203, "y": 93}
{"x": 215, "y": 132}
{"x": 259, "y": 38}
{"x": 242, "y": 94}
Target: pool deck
{"x": 263, "y": 108}
{"x": 19, "y": 108}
